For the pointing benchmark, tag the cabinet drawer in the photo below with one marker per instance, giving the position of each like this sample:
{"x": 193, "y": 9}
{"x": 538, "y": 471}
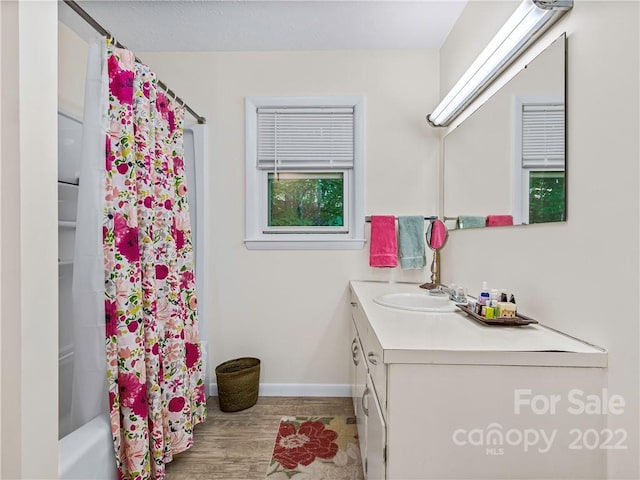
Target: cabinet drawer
{"x": 359, "y": 318}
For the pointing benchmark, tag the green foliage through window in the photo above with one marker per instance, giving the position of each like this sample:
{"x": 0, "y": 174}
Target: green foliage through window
{"x": 306, "y": 200}
{"x": 546, "y": 197}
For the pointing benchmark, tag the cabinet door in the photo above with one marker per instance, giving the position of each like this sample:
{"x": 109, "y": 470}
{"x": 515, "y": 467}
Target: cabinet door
{"x": 359, "y": 398}
{"x": 376, "y": 434}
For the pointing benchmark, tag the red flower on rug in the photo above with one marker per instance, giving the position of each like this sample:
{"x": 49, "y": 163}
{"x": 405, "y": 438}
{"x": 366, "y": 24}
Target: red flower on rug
{"x": 304, "y": 445}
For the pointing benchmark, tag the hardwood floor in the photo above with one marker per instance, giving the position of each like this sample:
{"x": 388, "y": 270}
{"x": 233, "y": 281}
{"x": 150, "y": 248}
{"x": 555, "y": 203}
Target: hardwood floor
{"x": 238, "y": 446}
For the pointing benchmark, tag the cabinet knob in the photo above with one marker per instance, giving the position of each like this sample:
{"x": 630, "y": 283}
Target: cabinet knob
{"x": 354, "y": 304}
{"x": 373, "y": 359}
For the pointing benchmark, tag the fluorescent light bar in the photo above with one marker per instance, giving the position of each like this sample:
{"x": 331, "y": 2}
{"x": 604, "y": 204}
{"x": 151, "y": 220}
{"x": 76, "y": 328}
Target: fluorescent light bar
{"x": 527, "y": 22}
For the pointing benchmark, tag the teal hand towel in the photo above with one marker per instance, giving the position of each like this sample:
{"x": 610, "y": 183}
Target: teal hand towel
{"x": 411, "y": 239}
{"x": 470, "y": 221}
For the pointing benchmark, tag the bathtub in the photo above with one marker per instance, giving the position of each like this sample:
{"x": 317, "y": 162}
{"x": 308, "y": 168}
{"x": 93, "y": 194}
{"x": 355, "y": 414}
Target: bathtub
{"x": 87, "y": 452}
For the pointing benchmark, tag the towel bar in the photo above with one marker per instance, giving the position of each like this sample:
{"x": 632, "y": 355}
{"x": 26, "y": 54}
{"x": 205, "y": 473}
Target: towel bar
{"x": 368, "y": 218}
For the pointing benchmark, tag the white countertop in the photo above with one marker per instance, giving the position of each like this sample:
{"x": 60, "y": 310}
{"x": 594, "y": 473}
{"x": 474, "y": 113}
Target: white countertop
{"x": 455, "y": 338}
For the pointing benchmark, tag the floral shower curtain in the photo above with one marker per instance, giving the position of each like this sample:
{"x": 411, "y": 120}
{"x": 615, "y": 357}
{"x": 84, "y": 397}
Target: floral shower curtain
{"x": 154, "y": 365}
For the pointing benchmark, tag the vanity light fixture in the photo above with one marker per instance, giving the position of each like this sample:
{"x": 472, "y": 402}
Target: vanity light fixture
{"x": 529, "y": 20}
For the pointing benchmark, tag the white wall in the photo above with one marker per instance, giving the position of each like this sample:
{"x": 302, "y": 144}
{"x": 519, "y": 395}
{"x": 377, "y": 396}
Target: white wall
{"x": 29, "y": 240}
{"x": 10, "y": 441}
{"x": 290, "y": 308}
{"x": 562, "y": 273}
{"x": 72, "y": 70}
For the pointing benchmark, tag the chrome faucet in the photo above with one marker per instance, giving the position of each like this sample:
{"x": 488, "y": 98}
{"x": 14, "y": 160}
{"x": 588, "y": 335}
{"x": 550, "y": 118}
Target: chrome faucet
{"x": 456, "y": 295}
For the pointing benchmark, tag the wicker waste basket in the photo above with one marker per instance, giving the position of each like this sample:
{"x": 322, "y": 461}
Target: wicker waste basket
{"x": 238, "y": 381}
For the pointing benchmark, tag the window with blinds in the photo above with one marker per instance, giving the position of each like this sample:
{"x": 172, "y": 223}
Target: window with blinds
{"x": 305, "y": 172}
{"x": 543, "y": 136}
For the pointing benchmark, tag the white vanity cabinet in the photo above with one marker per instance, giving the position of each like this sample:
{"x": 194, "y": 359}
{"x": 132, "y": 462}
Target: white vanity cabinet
{"x": 439, "y": 396}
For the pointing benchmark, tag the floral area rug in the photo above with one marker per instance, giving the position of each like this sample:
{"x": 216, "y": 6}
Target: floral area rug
{"x": 316, "y": 448}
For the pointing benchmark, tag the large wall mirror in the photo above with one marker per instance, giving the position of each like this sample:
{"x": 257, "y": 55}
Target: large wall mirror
{"x": 507, "y": 161}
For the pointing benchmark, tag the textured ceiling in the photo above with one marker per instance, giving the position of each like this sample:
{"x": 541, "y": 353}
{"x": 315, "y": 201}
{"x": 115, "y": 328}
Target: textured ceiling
{"x": 236, "y": 25}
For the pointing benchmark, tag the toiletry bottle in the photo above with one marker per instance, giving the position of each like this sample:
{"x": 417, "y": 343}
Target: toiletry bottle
{"x": 494, "y": 304}
{"x": 493, "y": 297}
{"x": 483, "y": 299}
{"x": 491, "y": 310}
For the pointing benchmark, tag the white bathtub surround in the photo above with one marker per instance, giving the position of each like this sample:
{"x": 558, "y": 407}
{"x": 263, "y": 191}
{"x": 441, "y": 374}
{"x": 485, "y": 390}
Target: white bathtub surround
{"x": 89, "y": 392}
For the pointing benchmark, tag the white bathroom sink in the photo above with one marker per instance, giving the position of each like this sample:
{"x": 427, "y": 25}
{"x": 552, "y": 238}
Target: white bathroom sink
{"x": 417, "y": 302}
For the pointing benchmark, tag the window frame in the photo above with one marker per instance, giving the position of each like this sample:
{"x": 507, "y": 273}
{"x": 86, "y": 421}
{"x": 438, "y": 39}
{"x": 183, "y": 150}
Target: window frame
{"x": 258, "y": 235}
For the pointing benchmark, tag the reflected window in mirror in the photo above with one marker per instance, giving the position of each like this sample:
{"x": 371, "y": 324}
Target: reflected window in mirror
{"x": 508, "y": 157}
{"x": 539, "y": 161}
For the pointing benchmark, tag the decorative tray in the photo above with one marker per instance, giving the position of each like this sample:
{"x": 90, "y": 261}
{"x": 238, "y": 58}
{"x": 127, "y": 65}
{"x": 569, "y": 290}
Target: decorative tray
{"x": 519, "y": 319}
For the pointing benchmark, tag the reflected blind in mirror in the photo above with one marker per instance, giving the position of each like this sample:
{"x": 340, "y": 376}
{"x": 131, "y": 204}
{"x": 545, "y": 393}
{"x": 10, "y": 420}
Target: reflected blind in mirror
{"x": 543, "y": 135}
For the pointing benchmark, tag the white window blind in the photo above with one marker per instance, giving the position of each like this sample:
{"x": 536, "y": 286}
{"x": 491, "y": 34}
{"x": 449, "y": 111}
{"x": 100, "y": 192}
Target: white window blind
{"x": 305, "y": 138}
{"x": 543, "y": 136}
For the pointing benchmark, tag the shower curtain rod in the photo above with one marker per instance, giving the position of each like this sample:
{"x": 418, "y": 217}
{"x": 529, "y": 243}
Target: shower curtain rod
{"x": 103, "y": 31}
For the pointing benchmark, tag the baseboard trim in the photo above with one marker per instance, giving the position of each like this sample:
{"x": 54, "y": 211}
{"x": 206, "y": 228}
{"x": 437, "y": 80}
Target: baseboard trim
{"x": 297, "y": 390}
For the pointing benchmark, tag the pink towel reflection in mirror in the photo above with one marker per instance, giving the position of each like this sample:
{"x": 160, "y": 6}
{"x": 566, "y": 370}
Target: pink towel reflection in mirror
{"x": 499, "y": 220}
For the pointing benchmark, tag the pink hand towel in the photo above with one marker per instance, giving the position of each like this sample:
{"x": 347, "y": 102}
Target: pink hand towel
{"x": 384, "y": 244}
{"x": 499, "y": 220}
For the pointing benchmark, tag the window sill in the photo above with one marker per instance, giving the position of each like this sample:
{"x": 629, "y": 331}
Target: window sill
{"x": 269, "y": 244}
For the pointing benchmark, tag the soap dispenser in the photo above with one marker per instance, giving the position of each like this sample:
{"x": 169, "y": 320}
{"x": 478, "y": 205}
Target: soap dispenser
{"x": 484, "y": 297}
